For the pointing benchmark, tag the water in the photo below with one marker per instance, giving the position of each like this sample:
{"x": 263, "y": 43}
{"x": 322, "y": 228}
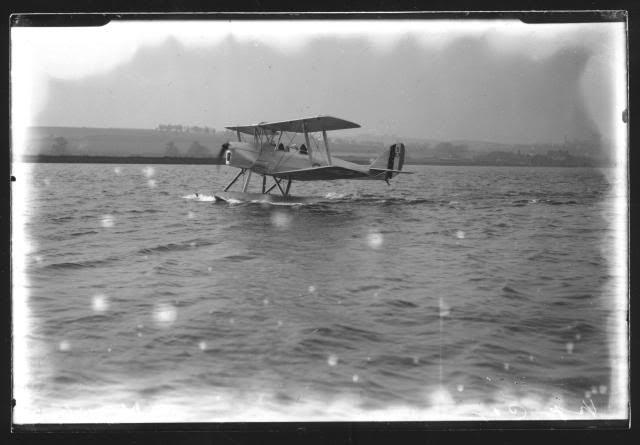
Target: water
{"x": 456, "y": 293}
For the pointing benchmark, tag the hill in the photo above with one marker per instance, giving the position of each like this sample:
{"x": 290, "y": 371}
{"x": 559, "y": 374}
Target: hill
{"x": 118, "y": 141}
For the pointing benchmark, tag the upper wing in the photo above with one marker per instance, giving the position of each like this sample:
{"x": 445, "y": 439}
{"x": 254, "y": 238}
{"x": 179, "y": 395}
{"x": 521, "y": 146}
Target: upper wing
{"x": 248, "y": 129}
{"x": 327, "y": 172}
{"x": 310, "y": 124}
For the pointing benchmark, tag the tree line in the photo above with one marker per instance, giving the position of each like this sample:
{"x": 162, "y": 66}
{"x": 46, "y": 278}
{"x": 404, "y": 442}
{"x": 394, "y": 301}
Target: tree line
{"x": 195, "y": 150}
{"x": 186, "y": 128}
{"x": 60, "y": 147}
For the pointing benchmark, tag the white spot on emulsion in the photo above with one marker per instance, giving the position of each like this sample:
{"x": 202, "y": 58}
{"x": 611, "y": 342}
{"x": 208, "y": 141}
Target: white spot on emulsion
{"x": 209, "y": 269}
{"x": 441, "y": 398}
{"x": 47, "y": 182}
{"x": 332, "y": 360}
{"x": 117, "y": 170}
{"x": 355, "y": 378}
{"x": 279, "y": 323}
{"x": 445, "y": 310}
{"x": 151, "y": 183}
{"x": 416, "y": 360}
{"x": 193, "y": 244}
{"x": 375, "y": 239}
{"x": 107, "y": 221}
{"x": 460, "y": 388}
{"x": 460, "y": 234}
{"x": 506, "y": 366}
{"x": 578, "y": 336}
{"x": 165, "y": 314}
{"x": 64, "y": 346}
{"x": 191, "y": 215}
{"x": 100, "y": 303}
{"x": 280, "y": 220}
{"x": 202, "y": 345}
{"x": 38, "y": 259}
{"x": 265, "y": 301}
{"x": 570, "y": 348}
{"x": 148, "y": 171}
{"x": 312, "y": 289}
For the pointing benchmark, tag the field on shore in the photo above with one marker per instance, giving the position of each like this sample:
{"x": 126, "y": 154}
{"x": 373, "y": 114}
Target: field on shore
{"x": 123, "y": 145}
{"x": 117, "y": 141}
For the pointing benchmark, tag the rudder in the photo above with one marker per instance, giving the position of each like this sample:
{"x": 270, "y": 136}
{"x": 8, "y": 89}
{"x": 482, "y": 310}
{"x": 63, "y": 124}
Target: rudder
{"x": 391, "y": 159}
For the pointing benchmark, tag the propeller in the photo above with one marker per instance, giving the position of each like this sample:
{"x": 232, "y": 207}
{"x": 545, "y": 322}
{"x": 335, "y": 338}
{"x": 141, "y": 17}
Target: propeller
{"x": 223, "y": 148}
{"x": 221, "y": 153}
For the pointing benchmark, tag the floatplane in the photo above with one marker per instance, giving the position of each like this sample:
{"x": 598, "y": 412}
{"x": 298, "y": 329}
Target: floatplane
{"x": 268, "y": 149}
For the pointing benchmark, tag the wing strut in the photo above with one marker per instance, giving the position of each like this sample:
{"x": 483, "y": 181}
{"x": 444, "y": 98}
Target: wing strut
{"x": 326, "y": 145}
{"x": 306, "y": 139}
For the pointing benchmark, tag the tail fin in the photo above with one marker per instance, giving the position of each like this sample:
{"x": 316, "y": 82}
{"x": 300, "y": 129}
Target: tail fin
{"x": 391, "y": 160}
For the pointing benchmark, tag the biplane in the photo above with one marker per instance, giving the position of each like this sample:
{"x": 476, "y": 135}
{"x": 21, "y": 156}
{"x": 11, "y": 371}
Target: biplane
{"x": 271, "y": 149}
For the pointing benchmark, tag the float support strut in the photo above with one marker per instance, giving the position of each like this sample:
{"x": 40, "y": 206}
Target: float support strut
{"x": 279, "y": 186}
{"x": 246, "y": 182}
{"x": 233, "y": 181}
{"x": 286, "y": 193}
{"x": 272, "y": 187}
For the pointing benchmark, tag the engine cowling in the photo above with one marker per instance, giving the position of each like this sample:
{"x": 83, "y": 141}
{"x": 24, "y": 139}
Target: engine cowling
{"x": 239, "y": 154}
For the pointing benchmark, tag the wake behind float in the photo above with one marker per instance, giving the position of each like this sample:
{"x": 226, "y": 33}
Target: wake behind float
{"x": 263, "y": 198}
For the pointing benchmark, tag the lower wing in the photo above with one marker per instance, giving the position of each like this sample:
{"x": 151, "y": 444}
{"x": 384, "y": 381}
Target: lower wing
{"x": 327, "y": 172}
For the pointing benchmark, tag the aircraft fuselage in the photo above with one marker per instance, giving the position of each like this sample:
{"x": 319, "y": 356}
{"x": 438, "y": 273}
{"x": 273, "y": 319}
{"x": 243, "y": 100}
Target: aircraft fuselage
{"x": 267, "y": 160}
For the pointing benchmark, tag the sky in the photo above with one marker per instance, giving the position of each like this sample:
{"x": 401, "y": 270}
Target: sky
{"x": 490, "y": 80}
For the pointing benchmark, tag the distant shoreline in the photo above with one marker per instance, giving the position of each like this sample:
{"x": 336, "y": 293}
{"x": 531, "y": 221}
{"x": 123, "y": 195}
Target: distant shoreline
{"x": 140, "y": 146}
{"x": 75, "y": 159}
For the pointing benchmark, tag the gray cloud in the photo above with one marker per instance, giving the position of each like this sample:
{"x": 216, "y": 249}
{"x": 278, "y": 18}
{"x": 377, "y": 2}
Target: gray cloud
{"x": 466, "y": 90}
